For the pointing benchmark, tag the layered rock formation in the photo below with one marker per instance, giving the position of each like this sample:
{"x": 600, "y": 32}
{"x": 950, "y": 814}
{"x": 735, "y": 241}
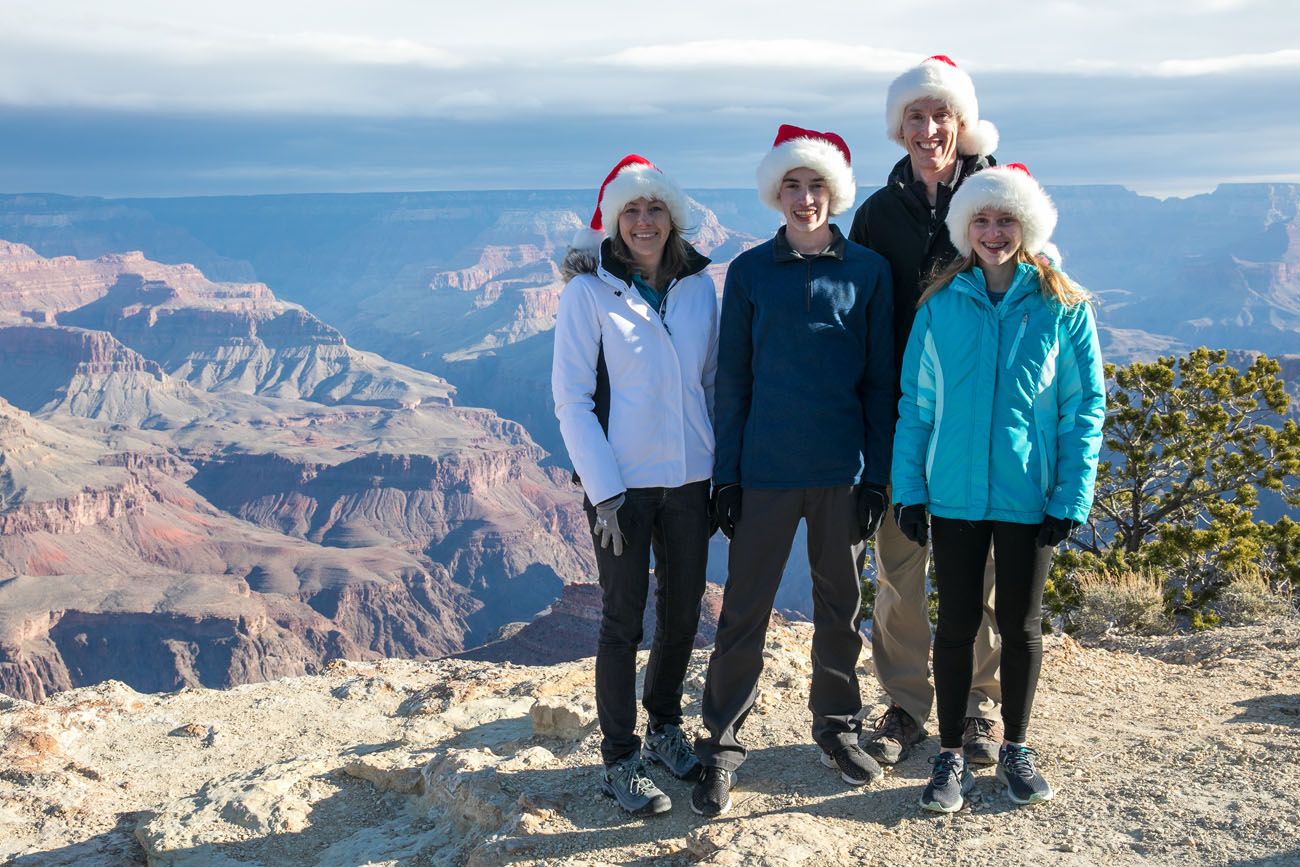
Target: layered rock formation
{"x": 113, "y": 568}
{"x": 225, "y": 439}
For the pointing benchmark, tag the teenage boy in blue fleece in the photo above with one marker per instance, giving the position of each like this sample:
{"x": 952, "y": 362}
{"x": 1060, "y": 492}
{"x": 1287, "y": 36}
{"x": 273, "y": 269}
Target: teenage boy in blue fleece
{"x": 804, "y": 422}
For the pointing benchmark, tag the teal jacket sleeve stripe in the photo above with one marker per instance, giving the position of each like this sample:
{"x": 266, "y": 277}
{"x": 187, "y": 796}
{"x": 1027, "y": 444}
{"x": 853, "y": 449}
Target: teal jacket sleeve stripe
{"x": 879, "y": 381}
{"x": 916, "y": 415}
{"x": 1081, "y": 400}
{"x": 734, "y": 382}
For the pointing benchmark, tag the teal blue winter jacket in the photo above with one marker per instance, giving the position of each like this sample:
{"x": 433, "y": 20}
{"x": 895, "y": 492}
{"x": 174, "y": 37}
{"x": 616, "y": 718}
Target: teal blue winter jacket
{"x": 1002, "y": 406}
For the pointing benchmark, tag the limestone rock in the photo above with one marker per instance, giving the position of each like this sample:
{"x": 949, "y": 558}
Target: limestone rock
{"x": 560, "y": 718}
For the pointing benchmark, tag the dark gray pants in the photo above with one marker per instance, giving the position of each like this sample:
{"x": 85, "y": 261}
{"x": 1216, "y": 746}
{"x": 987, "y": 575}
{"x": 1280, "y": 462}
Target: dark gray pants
{"x": 759, "y": 550}
{"x": 674, "y": 523}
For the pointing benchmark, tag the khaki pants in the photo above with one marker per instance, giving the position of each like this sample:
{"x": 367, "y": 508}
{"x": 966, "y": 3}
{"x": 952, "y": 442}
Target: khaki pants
{"x": 900, "y": 631}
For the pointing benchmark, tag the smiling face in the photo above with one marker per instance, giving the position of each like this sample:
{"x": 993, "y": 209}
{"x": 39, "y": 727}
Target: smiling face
{"x": 644, "y": 225}
{"x": 995, "y": 237}
{"x": 806, "y": 203}
{"x": 930, "y": 130}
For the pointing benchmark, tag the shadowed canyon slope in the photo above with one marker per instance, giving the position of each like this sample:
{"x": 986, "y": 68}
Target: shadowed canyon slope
{"x": 215, "y": 488}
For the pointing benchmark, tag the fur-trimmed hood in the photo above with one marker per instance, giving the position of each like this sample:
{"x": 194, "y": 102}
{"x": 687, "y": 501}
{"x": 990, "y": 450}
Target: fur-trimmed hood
{"x": 578, "y": 260}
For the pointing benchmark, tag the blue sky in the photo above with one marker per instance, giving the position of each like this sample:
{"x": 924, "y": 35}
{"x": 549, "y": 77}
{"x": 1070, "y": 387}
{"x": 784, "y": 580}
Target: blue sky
{"x": 145, "y": 97}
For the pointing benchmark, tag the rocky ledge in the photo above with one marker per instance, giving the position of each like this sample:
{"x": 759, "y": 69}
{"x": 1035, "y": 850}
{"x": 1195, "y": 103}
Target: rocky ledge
{"x": 1167, "y": 752}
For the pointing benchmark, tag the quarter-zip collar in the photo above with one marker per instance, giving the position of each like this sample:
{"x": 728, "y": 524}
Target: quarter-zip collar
{"x": 783, "y": 252}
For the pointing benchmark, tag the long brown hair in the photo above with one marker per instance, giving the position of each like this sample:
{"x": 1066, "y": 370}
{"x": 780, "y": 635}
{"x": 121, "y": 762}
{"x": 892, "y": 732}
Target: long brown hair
{"x": 676, "y": 251}
{"x": 1054, "y": 285}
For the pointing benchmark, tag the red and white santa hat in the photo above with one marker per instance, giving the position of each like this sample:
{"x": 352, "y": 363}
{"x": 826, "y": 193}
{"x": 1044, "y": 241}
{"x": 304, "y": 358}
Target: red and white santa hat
{"x": 824, "y": 152}
{"x": 1004, "y": 188}
{"x": 940, "y": 78}
{"x": 634, "y": 177}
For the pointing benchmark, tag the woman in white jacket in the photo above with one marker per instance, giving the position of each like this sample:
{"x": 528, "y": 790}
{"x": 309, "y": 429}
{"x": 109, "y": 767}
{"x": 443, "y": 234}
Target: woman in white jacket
{"x": 632, "y": 376}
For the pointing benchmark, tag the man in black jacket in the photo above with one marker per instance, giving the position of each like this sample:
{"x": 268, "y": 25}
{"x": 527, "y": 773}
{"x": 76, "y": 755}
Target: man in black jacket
{"x": 932, "y": 112}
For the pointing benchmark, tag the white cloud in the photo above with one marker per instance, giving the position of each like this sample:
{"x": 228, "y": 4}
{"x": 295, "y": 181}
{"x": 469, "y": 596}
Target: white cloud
{"x": 763, "y": 54}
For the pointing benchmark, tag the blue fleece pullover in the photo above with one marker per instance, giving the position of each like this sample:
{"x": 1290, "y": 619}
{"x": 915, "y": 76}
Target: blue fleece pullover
{"x": 806, "y": 379}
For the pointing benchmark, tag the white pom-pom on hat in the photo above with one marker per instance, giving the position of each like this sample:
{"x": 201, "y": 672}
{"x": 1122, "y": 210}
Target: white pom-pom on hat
{"x": 938, "y": 77}
{"x": 634, "y": 177}
{"x": 1008, "y": 188}
{"x": 796, "y": 148}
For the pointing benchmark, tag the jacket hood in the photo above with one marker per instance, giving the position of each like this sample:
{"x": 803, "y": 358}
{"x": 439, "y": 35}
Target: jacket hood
{"x": 579, "y": 261}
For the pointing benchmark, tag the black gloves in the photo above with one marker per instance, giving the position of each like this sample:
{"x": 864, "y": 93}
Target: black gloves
{"x": 1054, "y": 531}
{"x": 914, "y": 522}
{"x": 871, "y": 509}
{"x": 726, "y": 508}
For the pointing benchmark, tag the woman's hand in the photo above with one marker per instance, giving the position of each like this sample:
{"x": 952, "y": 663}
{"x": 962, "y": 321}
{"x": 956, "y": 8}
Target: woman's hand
{"x": 1054, "y": 531}
{"x": 607, "y": 529}
{"x": 914, "y": 522}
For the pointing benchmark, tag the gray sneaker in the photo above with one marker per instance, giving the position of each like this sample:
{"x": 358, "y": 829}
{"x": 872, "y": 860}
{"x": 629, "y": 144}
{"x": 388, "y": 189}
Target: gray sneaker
{"x": 627, "y": 783}
{"x": 668, "y": 747}
{"x": 1016, "y": 771}
{"x": 980, "y": 740}
{"x": 949, "y": 784}
{"x": 894, "y": 736}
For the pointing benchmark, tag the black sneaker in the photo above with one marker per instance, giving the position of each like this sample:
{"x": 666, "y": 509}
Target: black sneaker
{"x": 627, "y": 783}
{"x": 668, "y": 747}
{"x": 894, "y": 736}
{"x": 855, "y": 766}
{"x": 980, "y": 740}
{"x": 1016, "y": 771}
{"x": 949, "y": 784}
{"x": 712, "y": 794}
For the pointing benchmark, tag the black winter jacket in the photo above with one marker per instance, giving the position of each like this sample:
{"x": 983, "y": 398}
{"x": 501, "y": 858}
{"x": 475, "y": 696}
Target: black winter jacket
{"x": 897, "y": 223}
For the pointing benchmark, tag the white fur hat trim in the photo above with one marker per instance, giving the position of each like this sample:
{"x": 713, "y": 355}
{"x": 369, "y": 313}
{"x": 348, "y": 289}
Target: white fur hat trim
{"x": 1004, "y": 188}
{"x": 641, "y": 182}
{"x": 807, "y": 151}
{"x": 939, "y": 78}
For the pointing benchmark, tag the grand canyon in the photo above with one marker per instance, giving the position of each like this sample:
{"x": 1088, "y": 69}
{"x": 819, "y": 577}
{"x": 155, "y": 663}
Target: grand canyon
{"x": 242, "y": 437}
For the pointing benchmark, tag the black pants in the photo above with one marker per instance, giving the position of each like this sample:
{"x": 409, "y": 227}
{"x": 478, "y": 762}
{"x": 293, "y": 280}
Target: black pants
{"x": 759, "y": 550}
{"x": 960, "y": 551}
{"x": 674, "y": 522}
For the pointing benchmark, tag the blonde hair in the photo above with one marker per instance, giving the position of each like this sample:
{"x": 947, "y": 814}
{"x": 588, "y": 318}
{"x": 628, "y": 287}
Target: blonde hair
{"x": 1055, "y": 286}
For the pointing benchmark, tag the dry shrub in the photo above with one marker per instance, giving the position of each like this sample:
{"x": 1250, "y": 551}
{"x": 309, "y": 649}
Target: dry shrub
{"x": 1249, "y": 598}
{"x": 1122, "y": 601}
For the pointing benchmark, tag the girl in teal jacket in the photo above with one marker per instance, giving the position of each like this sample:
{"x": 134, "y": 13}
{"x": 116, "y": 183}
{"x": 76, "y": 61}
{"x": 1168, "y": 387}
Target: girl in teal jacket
{"x": 998, "y": 437}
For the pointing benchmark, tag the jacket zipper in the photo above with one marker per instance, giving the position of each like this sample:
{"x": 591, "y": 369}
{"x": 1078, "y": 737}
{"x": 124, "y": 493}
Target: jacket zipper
{"x": 807, "y": 287}
{"x": 1016, "y": 343}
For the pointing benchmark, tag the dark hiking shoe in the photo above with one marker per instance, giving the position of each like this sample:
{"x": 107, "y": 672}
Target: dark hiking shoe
{"x": 712, "y": 794}
{"x": 627, "y": 783}
{"x": 949, "y": 784}
{"x": 894, "y": 736}
{"x": 855, "y": 766}
{"x": 1016, "y": 771}
{"x": 980, "y": 740}
{"x": 668, "y": 747}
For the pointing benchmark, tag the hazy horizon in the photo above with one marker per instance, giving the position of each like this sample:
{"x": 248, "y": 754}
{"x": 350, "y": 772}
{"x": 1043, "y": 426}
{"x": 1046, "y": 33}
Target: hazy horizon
{"x": 148, "y": 98}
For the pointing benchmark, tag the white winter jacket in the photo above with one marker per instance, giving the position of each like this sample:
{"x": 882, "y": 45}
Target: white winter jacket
{"x": 660, "y": 374}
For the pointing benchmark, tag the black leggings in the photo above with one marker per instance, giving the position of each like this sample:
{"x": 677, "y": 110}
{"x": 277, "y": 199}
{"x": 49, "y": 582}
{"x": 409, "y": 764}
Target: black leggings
{"x": 960, "y": 551}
